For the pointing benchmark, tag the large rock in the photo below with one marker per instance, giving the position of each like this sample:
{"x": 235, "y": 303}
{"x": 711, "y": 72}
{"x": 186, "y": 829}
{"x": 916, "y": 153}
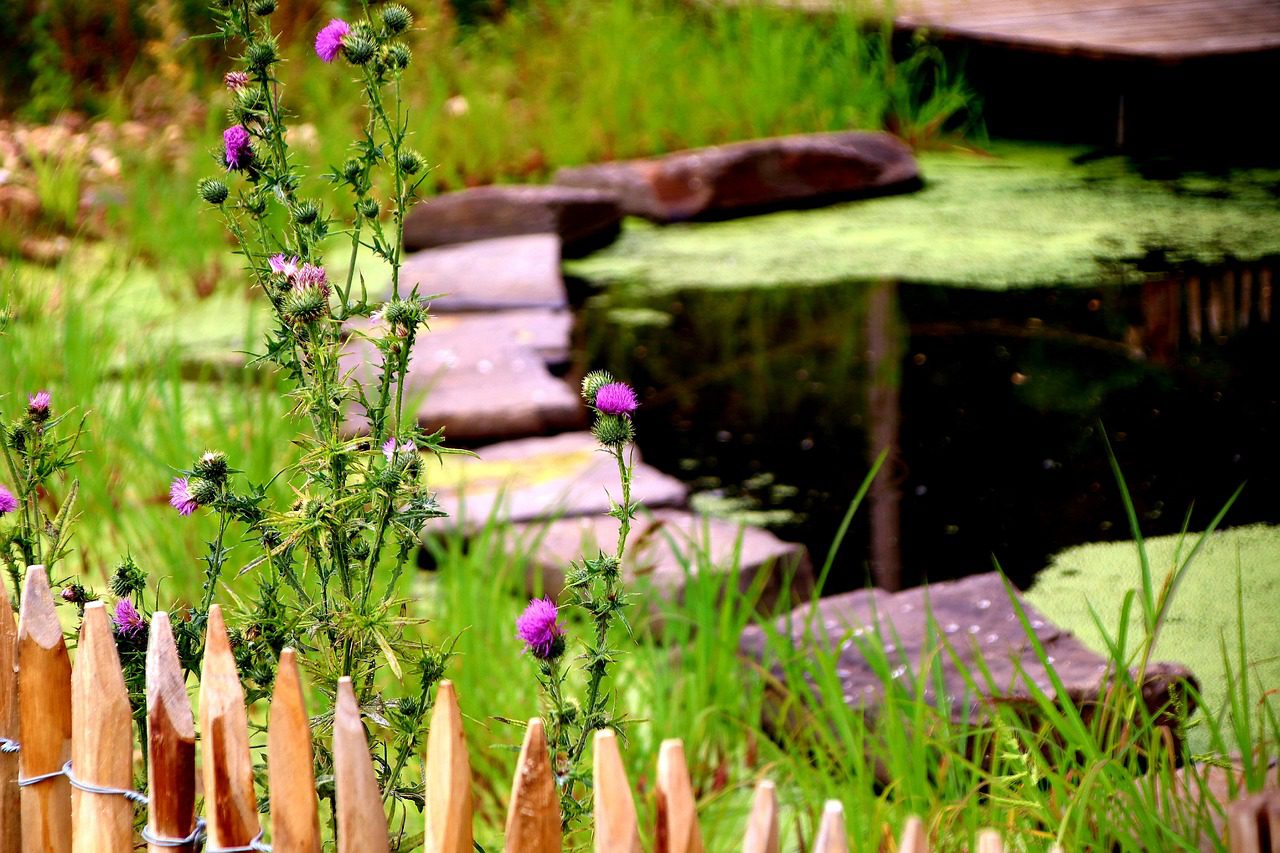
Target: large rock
{"x": 584, "y": 219}
{"x": 755, "y": 176}
{"x": 505, "y": 272}
{"x": 975, "y": 618}
{"x": 661, "y": 544}
{"x": 541, "y": 478}
{"x": 484, "y": 377}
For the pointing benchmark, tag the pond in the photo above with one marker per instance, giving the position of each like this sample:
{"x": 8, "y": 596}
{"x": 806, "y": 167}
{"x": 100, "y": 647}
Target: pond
{"x": 772, "y": 402}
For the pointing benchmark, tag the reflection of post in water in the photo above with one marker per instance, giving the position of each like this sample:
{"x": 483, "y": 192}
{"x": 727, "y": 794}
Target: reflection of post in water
{"x": 1214, "y": 306}
{"x": 886, "y": 334}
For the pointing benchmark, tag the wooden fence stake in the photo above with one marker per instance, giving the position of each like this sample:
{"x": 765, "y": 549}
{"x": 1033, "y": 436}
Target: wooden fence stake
{"x": 617, "y": 829}
{"x": 762, "y": 824}
{"x": 44, "y": 710}
{"x": 171, "y": 741}
{"x": 101, "y": 739}
{"x": 989, "y": 842}
{"x": 677, "y": 808}
{"x": 231, "y": 809}
{"x": 362, "y": 824}
{"x": 1253, "y": 823}
{"x": 914, "y": 838}
{"x": 295, "y": 813}
{"x": 10, "y": 802}
{"x": 533, "y": 817}
{"x": 831, "y": 833}
{"x": 448, "y": 777}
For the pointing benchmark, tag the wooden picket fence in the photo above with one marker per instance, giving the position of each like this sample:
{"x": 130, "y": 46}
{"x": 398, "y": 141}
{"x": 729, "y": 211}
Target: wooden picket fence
{"x": 67, "y": 761}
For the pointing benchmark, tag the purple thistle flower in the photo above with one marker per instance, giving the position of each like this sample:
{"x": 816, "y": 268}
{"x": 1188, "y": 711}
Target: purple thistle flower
{"x": 389, "y": 448}
{"x": 128, "y": 621}
{"x": 616, "y": 398}
{"x": 180, "y": 497}
{"x": 310, "y": 275}
{"x": 236, "y": 149}
{"x": 539, "y": 630}
{"x": 8, "y": 503}
{"x": 38, "y": 405}
{"x": 288, "y": 267}
{"x": 236, "y": 80}
{"x": 329, "y": 39}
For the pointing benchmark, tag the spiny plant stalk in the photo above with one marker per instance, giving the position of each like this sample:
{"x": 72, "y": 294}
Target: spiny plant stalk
{"x": 594, "y": 586}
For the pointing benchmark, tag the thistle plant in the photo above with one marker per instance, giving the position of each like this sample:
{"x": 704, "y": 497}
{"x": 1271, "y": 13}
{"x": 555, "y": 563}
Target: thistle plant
{"x": 594, "y": 587}
{"x": 328, "y": 564}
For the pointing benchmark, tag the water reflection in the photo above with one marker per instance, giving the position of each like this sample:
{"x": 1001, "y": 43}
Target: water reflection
{"x": 990, "y": 403}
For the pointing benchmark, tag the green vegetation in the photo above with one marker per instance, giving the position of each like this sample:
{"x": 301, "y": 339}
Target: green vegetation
{"x": 1019, "y": 216}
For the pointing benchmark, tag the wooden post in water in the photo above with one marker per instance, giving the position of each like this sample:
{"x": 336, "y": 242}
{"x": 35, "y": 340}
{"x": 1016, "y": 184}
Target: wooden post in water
{"x": 448, "y": 777}
{"x": 885, "y": 335}
{"x": 617, "y": 829}
{"x": 832, "y": 837}
{"x": 171, "y": 742}
{"x": 533, "y": 816}
{"x": 677, "y": 809}
{"x": 295, "y": 814}
{"x": 231, "y": 808}
{"x": 762, "y": 824}
{"x": 362, "y": 825}
{"x": 10, "y": 801}
{"x": 44, "y": 710}
{"x": 101, "y": 739}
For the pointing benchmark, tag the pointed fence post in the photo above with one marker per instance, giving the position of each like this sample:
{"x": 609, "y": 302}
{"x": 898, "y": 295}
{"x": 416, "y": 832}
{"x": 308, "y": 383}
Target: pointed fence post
{"x": 10, "y": 801}
{"x": 989, "y": 842}
{"x": 362, "y": 825}
{"x": 44, "y": 710}
{"x": 448, "y": 777}
{"x": 914, "y": 837}
{"x": 831, "y": 832}
{"x": 762, "y": 824}
{"x": 231, "y": 809}
{"x": 171, "y": 742}
{"x": 1253, "y": 823}
{"x": 101, "y": 739}
{"x": 295, "y": 814}
{"x": 617, "y": 830}
{"x": 677, "y": 808}
{"x": 533, "y": 817}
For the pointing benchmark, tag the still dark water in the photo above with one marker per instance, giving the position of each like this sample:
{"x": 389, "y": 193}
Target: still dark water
{"x": 992, "y": 404}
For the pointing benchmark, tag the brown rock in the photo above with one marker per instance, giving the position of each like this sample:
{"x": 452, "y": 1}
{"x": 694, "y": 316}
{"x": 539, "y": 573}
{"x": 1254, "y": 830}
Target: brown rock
{"x": 661, "y": 544}
{"x": 535, "y": 478}
{"x": 505, "y": 272}
{"x": 755, "y": 176}
{"x": 584, "y": 219}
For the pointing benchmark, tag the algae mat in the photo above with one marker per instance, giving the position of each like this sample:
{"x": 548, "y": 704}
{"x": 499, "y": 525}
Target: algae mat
{"x": 1203, "y": 613}
{"x": 1017, "y": 216}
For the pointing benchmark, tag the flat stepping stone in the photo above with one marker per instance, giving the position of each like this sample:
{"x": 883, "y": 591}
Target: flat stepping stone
{"x": 487, "y": 275}
{"x": 755, "y": 176}
{"x": 583, "y": 219}
{"x": 974, "y": 617}
{"x": 661, "y": 543}
{"x": 541, "y": 478}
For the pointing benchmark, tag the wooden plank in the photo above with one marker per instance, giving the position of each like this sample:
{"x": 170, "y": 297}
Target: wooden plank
{"x": 171, "y": 742}
{"x": 10, "y": 801}
{"x": 101, "y": 739}
{"x": 762, "y": 823}
{"x": 832, "y": 837}
{"x": 914, "y": 837}
{"x": 448, "y": 777}
{"x": 989, "y": 842}
{"x": 677, "y": 808}
{"x": 231, "y": 809}
{"x": 295, "y": 810}
{"x": 44, "y": 711}
{"x": 1253, "y": 823}
{"x": 362, "y": 825}
{"x": 617, "y": 830}
{"x": 533, "y": 816}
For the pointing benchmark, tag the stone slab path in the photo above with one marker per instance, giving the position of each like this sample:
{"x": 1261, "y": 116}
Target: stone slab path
{"x": 489, "y": 275}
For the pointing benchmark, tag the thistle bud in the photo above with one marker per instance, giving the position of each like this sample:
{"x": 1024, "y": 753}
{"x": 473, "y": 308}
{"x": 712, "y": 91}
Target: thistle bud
{"x": 128, "y": 579}
{"x": 262, "y": 8}
{"x": 411, "y": 162}
{"x": 398, "y": 56}
{"x": 212, "y": 466}
{"x": 593, "y": 382}
{"x": 305, "y": 306}
{"x": 613, "y": 430}
{"x": 396, "y": 18}
{"x": 256, "y": 204}
{"x": 352, "y": 170}
{"x": 212, "y": 190}
{"x": 306, "y": 212}
{"x": 203, "y": 491}
{"x": 368, "y": 207}
{"x": 359, "y": 47}
{"x": 261, "y": 55}
{"x": 404, "y": 314}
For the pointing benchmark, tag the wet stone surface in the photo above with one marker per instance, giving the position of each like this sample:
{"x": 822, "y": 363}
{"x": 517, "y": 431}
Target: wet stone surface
{"x": 487, "y": 275}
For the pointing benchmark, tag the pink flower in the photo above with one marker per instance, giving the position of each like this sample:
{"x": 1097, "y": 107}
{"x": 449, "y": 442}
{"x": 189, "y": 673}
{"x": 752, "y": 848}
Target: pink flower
{"x": 236, "y": 80}
{"x": 8, "y": 503}
{"x": 616, "y": 398}
{"x": 38, "y": 405}
{"x": 236, "y": 149}
{"x": 180, "y": 497}
{"x": 288, "y": 267}
{"x": 539, "y": 629}
{"x": 389, "y": 448}
{"x": 329, "y": 39}
{"x": 128, "y": 621}
{"x": 310, "y": 275}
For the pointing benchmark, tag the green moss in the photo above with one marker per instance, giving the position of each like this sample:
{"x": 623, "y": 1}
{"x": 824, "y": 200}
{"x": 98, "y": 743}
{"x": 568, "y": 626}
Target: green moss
{"x": 1202, "y": 615}
{"x": 1023, "y": 216}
